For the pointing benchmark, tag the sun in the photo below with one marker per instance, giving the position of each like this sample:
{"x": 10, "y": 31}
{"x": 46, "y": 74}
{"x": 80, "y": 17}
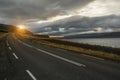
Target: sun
{"x": 21, "y": 27}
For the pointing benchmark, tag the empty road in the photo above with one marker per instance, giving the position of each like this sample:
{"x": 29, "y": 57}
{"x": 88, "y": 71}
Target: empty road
{"x": 32, "y": 61}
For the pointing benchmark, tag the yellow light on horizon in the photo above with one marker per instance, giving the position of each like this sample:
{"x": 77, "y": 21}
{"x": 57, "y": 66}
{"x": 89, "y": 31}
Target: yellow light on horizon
{"x": 22, "y": 27}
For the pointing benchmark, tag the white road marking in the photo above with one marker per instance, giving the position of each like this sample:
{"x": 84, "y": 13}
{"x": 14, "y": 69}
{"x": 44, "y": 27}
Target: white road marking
{"x": 5, "y": 79}
{"x": 56, "y": 56}
{"x": 19, "y": 41}
{"x": 61, "y": 58}
{"x": 7, "y": 43}
{"x": 9, "y": 48}
{"x": 15, "y": 55}
{"x": 27, "y": 45}
{"x": 31, "y": 75}
{"x": 92, "y": 57}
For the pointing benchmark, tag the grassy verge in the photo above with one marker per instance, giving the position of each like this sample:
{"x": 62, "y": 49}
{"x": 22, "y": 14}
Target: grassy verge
{"x": 83, "y": 50}
{"x": 2, "y": 34}
{"x": 94, "y": 50}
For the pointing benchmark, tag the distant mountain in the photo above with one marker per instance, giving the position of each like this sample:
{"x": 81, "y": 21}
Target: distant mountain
{"x": 95, "y": 35}
{"x": 7, "y": 28}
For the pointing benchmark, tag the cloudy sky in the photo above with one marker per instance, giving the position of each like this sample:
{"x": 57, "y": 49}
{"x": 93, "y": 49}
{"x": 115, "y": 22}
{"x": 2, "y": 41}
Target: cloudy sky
{"x": 45, "y": 11}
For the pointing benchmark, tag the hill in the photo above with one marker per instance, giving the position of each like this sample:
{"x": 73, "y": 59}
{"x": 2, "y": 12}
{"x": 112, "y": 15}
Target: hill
{"x": 7, "y": 28}
{"x": 96, "y": 35}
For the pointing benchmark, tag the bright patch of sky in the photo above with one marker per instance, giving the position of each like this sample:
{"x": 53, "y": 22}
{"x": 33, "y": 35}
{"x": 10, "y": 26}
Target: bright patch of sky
{"x": 101, "y": 8}
{"x": 93, "y": 9}
{"x": 54, "y": 19}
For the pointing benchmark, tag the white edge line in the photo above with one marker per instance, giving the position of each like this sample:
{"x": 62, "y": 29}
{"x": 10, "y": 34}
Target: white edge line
{"x": 56, "y": 56}
{"x": 7, "y": 43}
{"x": 61, "y": 58}
{"x": 93, "y": 57}
{"x": 31, "y": 75}
{"x": 15, "y": 55}
{"x": 25, "y": 44}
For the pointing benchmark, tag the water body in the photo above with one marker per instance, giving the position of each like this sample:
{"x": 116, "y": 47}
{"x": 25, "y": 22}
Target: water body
{"x": 112, "y": 42}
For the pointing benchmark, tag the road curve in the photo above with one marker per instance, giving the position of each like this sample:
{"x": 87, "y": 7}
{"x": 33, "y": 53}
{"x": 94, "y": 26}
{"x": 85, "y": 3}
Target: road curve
{"x": 33, "y": 61}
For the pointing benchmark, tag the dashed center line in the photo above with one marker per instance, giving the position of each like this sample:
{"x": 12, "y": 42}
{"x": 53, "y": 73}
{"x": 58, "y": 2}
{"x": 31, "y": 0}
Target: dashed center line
{"x": 92, "y": 57}
{"x": 15, "y": 56}
{"x": 9, "y": 48}
{"x": 31, "y": 75}
{"x": 7, "y": 43}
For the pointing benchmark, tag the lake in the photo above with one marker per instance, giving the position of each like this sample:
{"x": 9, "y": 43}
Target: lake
{"x": 113, "y": 42}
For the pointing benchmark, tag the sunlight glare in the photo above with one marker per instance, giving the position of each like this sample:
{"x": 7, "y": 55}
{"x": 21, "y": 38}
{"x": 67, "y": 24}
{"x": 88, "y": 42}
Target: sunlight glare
{"x": 21, "y": 27}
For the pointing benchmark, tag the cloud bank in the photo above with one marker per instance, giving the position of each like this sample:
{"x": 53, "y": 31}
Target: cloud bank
{"x": 12, "y": 10}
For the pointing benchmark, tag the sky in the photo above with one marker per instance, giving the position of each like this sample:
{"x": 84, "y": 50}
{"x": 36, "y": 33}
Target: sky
{"x": 47, "y": 11}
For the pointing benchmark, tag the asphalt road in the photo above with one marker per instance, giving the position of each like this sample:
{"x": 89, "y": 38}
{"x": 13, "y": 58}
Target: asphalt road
{"x": 33, "y": 61}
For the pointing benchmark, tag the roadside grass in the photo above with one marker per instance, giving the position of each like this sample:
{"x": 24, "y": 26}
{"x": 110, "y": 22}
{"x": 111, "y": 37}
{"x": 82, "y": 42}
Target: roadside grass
{"x": 2, "y": 34}
{"x": 96, "y": 53}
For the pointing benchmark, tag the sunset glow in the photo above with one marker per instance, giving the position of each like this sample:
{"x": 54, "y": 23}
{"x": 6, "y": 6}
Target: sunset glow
{"x": 21, "y": 27}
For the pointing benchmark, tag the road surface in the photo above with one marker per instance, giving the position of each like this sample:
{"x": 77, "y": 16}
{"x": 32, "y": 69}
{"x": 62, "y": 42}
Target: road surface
{"x": 33, "y": 61}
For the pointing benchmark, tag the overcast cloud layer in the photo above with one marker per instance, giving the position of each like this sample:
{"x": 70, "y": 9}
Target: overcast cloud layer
{"x": 37, "y": 9}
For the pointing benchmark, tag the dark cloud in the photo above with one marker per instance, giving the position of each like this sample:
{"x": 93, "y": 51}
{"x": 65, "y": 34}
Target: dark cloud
{"x": 5, "y": 3}
{"x": 42, "y": 9}
{"x": 108, "y": 23}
